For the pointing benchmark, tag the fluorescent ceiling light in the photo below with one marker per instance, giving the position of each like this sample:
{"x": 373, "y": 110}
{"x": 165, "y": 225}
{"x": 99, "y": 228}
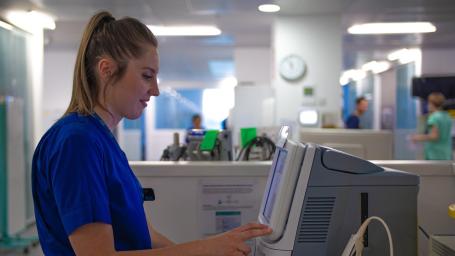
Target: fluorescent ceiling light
{"x": 392, "y": 28}
{"x": 269, "y": 8}
{"x": 376, "y": 66}
{"x": 344, "y": 80}
{"x": 31, "y": 20}
{"x": 405, "y": 55}
{"x": 380, "y": 67}
{"x": 184, "y": 30}
{"x": 395, "y": 55}
{"x": 346, "y": 77}
{"x": 359, "y": 75}
{"x": 43, "y": 19}
{"x": 228, "y": 83}
{"x": 352, "y": 74}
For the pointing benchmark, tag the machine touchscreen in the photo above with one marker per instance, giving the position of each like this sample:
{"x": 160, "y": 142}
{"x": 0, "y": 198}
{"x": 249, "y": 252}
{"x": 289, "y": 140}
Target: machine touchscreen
{"x": 280, "y": 187}
{"x": 276, "y": 179}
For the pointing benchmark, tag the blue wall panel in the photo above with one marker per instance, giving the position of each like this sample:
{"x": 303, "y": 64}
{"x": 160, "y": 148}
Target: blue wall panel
{"x": 174, "y": 111}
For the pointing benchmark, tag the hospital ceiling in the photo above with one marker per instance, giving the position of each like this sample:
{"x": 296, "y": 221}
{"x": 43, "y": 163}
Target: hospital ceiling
{"x": 190, "y": 58}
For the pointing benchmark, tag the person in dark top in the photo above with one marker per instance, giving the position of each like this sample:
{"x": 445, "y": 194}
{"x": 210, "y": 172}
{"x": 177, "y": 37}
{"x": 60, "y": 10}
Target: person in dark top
{"x": 353, "y": 121}
{"x": 87, "y": 199}
{"x": 196, "y": 124}
{"x": 196, "y": 121}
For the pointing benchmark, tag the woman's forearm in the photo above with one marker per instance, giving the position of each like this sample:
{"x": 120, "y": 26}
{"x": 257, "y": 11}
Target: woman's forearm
{"x": 193, "y": 248}
{"x": 160, "y": 241}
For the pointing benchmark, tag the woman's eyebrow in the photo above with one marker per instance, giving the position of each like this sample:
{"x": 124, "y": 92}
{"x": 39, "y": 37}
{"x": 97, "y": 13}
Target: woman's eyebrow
{"x": 154, "y": 71}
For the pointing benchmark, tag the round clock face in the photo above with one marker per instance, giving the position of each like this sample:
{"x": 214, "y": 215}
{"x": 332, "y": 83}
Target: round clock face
{"x": 292, "y": 67}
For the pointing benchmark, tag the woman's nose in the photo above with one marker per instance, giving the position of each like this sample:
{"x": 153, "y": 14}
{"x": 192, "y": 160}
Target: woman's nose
{"x": 154, "y": 90}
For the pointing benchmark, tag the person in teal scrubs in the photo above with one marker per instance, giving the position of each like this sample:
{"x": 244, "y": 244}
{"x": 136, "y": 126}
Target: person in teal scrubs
{"x": 438, "y": 141}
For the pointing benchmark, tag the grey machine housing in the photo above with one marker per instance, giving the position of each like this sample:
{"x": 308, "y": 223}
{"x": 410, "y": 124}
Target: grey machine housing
{"x": 343, "y": 191}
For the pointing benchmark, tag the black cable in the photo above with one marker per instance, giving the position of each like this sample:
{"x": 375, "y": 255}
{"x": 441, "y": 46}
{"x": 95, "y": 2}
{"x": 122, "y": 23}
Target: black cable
{"x": 243, "y": 149}
{"x": 182, "y": 153}
{"x": 165, "y": 155}
{"x": 218, "y": 147}
{"x": 262, "y": 142}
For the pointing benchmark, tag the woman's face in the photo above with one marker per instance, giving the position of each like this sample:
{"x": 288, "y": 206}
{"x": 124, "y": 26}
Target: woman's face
{"x": 128, "y": 96}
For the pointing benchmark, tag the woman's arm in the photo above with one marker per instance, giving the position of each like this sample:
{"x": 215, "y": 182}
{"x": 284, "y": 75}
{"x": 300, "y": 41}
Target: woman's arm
{"x": 98, "y": 239}
{"x": 158, "y": 239}
{"x": 431, "y": 136}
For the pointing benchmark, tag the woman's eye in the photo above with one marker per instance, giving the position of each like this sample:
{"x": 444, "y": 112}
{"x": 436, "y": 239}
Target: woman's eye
{"x": 147, "y": 77}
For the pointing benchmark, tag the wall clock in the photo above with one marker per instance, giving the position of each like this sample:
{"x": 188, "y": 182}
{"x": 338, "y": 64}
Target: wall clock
{"x": 292, "y": 67}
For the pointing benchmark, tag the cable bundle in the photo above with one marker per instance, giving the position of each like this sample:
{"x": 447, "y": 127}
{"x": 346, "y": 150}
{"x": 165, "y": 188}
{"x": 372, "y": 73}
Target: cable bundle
{"x": 267, "y": 145}
{"x": 355, "y": 244}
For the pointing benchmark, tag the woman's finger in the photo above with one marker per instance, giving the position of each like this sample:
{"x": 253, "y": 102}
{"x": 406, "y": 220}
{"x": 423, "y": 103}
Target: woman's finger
{"x": 250, "y": 226}
{"x": 244, "y": 248}
{"x": 252, "y": 233}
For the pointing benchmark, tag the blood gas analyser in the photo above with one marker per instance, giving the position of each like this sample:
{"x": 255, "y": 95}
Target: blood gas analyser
{"x": 317, "y": 197}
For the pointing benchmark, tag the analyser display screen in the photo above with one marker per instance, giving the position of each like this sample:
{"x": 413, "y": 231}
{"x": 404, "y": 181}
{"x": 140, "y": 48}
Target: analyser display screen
{"x": 275, "y": 183}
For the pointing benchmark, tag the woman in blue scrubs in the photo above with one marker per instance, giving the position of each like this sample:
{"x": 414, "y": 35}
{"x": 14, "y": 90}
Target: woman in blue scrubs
{"x": 87, "y": 199}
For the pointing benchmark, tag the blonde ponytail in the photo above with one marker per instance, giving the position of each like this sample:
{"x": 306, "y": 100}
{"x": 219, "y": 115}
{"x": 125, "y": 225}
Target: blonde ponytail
{"x": 104, "y": 36}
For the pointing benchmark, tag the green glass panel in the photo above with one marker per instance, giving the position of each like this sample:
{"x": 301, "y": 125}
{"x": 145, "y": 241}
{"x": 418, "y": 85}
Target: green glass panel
{"x": 209, "y": 140}
{"x": 15, "y": 81}
{"x": 247, "y": 134}
{"x": 3, "y": 188}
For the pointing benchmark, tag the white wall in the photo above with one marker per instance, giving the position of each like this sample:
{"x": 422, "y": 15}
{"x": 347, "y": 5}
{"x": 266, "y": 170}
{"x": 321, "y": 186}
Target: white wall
{"x": 438, "y": 62}
{"x": 387, "y": 109}
{"x": 58, "y": 83}
{"x": 254, "y": 107}
{"x": 377, "y": 102}
{"x": 253, "y": 65}
{"x": 254, "y": 96}
{"x": 35, "y": 49}
{"x": 317, "y": 39}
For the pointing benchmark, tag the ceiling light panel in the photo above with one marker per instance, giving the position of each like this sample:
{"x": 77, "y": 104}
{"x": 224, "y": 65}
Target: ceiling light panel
{"x": 393, "y": 28}
{"x": 269, "y": 8}
{"x": 184, "y": 30}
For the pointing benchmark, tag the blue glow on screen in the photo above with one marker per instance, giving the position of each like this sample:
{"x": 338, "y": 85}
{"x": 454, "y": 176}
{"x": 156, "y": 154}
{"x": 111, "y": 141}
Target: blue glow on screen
{"x": 274, "y": 184}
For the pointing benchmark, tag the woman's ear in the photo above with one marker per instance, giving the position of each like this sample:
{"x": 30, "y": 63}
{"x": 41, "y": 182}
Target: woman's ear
{"x": 106, "y": 68}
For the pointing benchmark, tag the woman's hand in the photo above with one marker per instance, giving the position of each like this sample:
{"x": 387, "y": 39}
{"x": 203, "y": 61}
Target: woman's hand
{"x": 232, "y": 243}
{"x": 414, "y": 138}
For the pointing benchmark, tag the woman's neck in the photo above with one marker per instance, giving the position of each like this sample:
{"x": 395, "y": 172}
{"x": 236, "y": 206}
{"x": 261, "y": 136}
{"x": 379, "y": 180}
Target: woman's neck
{"x": 108, "y": 118}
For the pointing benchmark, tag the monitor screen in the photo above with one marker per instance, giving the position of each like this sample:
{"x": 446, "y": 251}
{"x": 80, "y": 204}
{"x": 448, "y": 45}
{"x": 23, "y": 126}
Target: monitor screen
{"x": 275, "y": 183}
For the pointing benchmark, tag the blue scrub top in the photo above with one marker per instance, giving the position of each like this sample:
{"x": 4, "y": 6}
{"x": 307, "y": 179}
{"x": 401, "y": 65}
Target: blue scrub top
{"x": 352, "y": 122}
{"x": 80, "y": 176}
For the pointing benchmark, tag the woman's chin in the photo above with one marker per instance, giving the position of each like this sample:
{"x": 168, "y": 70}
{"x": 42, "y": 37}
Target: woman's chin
{"x": 134, "y": 115}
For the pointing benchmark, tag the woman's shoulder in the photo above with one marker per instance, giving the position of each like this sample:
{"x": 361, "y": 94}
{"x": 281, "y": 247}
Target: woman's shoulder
{"x": 439, "y": 117}
{"x": 71, "y": 133}
{"x": 74, "y": 123}
{"x": 439, "y": 114}
{"x": 72, "y": 126}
